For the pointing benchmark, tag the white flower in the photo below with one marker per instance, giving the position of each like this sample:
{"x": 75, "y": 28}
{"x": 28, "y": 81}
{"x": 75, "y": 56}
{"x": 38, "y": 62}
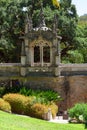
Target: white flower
{"x": 25, "y": 9}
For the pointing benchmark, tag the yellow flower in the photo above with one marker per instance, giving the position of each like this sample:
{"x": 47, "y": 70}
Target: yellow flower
{"x": 56, "y": 3}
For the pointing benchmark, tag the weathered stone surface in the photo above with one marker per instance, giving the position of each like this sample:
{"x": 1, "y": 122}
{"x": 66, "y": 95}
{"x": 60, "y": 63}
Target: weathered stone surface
{"x": 72, "y": 89}
{"x": 9, "y": 69}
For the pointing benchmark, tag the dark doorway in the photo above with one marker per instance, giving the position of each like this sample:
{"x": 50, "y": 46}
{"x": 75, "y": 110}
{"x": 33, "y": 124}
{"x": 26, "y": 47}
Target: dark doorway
{"x": 36, "y": 54}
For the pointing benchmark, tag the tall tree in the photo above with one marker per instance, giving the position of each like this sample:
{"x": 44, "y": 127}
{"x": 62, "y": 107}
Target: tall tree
{"x": 12, "y": 23}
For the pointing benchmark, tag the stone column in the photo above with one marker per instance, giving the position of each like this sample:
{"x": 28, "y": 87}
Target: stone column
{"x": 58, "y": 51}
{"x": 27, "y": 50}
{"x": 23, "y": 55}
{"x": 29, "y": 56}
{"x": 57, "y": 66}
{"x": 57, "y": 59}
{"x": 57, "y": 71}
{"x": 51, "y": 55}
{"x": 26, "y": 23}
{"x": 54, "y": 51}
{"x": 23, "y": 60}
{"x": 32, "y": 56}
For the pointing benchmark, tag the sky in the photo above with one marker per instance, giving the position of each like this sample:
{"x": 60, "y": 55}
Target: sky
{"x": 81, "y": 6}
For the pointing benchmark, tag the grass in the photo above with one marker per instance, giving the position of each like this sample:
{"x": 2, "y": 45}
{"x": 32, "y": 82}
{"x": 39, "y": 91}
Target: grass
{"x": 17, "y": 122}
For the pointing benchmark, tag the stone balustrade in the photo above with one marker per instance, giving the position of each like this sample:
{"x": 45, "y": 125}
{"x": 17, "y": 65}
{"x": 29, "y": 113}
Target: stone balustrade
{"x": 9, "y": 69}
{"x": 73, "y": 69}
{"x": 14, "y": 69}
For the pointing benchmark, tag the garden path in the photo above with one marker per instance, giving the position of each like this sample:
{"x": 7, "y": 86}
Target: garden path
{"x": 59, "y": 119}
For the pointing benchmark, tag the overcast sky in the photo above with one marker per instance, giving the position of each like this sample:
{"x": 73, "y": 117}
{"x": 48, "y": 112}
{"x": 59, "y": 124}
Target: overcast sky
{"x": 81, "y": 6}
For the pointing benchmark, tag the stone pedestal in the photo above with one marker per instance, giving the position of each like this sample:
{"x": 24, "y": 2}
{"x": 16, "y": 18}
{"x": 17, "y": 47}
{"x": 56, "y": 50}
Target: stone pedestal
{"x": 57, "y": 69}
{"x": 47, "y": 115}
{"x": 23, "y": 71}
{"x": 65, "y": 115}
{"x": 23, "y": 60}
{"x": 57, "y": 60}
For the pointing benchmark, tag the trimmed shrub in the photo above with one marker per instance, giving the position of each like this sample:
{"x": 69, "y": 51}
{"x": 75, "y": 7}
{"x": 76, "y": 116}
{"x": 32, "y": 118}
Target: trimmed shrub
{"x": 30, "y": 106}
{"x": 54, "y": 109}
{"x": 4, "y": 106}
{"x": 38, "y": 110}
{"x": 30, "y": 101}
{"x": 17, "y": 102}
{"x": 77, "y": 111}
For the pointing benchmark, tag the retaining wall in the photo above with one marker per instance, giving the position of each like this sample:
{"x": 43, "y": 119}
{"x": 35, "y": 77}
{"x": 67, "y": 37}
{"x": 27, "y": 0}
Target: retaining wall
{"x": 73, "y": 89}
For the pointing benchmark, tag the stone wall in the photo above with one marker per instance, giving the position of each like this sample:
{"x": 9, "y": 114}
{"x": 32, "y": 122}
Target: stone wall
{"x": 77, "y": 90}
{"x": 9, "y": 69}
{"x": 73, "y": 69}
{"x": 72, "y": 89}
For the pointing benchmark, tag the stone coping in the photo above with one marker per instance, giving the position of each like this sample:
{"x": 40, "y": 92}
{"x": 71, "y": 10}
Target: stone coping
{"x": 9, "y": 64}
{"x": 73, "y": 65}
{"x": 61, "y": 64}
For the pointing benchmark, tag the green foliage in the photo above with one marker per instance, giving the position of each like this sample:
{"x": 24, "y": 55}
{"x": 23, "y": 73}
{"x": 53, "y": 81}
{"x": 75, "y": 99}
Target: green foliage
{"x": 30, "y": 101}
{"x": 16, "y": 101}
{"x": 21, "y": 104}
{"x": 12, "y": 23}
{"x": 15, "y": 88}
{"x": 77, "y": 111}
{"x": 16, "y": 122}
{"x": 83, "y": 18}
{"x": 85, "y": 116}
{"x": 65, "y": 60}
{"x": 40, "y": 96}
{"x": 38, "y": 110}
{"x": 77, "y": 53}
{"x": 12, "y": 27}
{"x": 12, "y": 86}
{"x": 80, "y": 41}
{"x": 75, "y": 56}
{"x": 2, "y": 89}
{"x": 46, "y": 96}
{"x": 4, "y": 106}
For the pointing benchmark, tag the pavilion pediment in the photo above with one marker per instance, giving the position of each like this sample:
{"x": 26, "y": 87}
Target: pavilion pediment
{"x": 40, "y": 41}
{"x": 47, "y": 35}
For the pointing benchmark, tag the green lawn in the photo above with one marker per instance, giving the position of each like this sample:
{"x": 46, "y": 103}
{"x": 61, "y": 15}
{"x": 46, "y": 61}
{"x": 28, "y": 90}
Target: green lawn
{"x": 17, "y": 122}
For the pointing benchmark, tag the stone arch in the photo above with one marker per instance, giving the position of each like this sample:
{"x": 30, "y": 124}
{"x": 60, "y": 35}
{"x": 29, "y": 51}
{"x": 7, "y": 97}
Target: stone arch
{"x": 41, "y": 52}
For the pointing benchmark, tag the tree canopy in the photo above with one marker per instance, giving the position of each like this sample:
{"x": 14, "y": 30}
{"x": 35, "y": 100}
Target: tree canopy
{"x": 12, "y": 25}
